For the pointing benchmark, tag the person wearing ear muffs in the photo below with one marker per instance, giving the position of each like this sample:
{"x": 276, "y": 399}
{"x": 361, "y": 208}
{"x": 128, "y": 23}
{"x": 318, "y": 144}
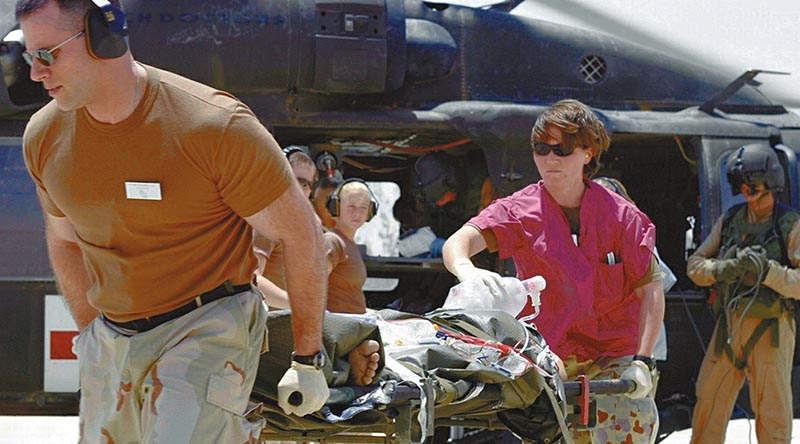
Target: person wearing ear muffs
{"x": 148, "y": 217}
{"x": 352, "y": 204}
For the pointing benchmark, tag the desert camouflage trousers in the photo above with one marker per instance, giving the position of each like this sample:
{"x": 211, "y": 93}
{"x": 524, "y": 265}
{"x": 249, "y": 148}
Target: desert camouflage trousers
{"x": 620, "y": 419}
{"x": 186, "y": 381}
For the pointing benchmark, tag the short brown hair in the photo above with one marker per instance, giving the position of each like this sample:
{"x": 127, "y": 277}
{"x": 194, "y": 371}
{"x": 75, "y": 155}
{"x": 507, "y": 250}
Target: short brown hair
{"x": 301, "y": 158}
{"x": 580, "y": 127}
{"x": 76, "y": 8}
{"x": 26, "y": 7}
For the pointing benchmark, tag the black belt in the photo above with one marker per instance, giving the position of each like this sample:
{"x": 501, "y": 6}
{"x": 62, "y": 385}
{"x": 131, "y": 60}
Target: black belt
{"x": 149, "y": 323}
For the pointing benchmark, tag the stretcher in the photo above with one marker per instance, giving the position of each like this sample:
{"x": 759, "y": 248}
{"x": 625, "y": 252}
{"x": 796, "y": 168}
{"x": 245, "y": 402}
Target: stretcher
{"x": 479, "y": 369}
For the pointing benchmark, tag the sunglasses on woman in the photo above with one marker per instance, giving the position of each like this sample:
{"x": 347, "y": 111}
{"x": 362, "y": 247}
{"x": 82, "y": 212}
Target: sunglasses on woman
{"x": 47, "y": 56}
{"x": 543, "y": 149}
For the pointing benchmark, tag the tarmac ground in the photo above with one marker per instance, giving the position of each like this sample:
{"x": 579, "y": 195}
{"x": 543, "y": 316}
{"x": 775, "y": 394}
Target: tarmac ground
{"x": 64, "y": 430}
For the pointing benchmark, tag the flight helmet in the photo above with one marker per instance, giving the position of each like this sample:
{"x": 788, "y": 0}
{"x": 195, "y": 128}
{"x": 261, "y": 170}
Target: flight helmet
{"x": 754, "y": 164}
{"x": 433, "y": 175}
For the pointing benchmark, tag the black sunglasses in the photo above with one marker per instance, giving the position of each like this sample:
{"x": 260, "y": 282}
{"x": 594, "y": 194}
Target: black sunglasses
{"x": 47, "y": 56}
{"x": 752, "y": 189}
{"x": 542, "y": 149}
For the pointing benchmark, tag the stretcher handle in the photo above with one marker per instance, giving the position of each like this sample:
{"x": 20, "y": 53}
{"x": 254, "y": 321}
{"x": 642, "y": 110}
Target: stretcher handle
{"x": 345, "y": 395}
{"x": 600, "y": 387}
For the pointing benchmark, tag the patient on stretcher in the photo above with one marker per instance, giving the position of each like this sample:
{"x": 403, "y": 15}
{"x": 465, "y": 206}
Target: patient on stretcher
{"x": 481, "y": 365}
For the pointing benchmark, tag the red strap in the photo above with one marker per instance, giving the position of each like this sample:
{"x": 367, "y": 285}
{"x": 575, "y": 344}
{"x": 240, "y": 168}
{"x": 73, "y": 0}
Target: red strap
{"x": 583, "y": 400}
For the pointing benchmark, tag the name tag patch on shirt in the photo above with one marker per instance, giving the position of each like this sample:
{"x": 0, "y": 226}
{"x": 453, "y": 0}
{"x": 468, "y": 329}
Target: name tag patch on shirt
{"x": 143, "y": 190}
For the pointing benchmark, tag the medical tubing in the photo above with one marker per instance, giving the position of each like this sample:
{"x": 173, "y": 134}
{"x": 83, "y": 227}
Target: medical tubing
{"x": 503, "y": 348}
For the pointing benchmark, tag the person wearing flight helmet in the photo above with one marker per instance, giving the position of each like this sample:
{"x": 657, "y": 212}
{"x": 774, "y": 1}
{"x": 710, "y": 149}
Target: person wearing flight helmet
{"x": 446, "y": 190}
{"x": 751, "y": 259}
{"x": 445, "y": 193}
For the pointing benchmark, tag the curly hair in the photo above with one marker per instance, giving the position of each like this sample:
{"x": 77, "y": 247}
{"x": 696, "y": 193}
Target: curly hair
{"x": 580, "y": 127}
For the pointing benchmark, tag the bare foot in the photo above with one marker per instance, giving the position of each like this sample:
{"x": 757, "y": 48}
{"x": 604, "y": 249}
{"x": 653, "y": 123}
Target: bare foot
{"x": 364, "y": 362}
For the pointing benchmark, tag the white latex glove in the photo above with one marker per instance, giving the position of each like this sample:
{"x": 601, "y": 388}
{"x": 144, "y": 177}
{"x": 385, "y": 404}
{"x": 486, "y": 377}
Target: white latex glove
{"x": 466, "y": 271}
{"x": 639, "y": 373}
{"x": 306, "y": 381}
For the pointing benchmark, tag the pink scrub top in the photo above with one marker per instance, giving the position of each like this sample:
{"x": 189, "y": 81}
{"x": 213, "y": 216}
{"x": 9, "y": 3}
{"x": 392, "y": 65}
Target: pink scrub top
{"x": 589, "y": 308}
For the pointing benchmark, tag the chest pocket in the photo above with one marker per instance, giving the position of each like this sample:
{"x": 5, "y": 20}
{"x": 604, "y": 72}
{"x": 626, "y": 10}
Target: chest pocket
{"x": 609, "y": 287}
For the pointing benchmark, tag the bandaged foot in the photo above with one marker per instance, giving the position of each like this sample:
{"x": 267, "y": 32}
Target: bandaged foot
{"x": 364, "y": 361}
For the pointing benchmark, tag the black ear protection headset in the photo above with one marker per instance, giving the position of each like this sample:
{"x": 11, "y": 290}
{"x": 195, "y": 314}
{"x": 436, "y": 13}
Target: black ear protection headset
{"x": 106, "y": 31}
{"x": 335, "y": 199}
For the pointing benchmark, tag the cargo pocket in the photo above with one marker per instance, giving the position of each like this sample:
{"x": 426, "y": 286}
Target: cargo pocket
{"x": 227, "y": 394}
{"x": 234, "y": 398}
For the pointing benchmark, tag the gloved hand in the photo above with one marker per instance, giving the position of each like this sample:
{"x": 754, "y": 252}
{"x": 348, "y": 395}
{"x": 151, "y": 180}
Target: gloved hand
{"x": 465, "y": 271}
{"x": 436, "y": 247}
{"x": 639, "y": 373}
{"x": 307, "y": 382}
{"x": 754, "y": 262}
{"x": 727, "y": 270}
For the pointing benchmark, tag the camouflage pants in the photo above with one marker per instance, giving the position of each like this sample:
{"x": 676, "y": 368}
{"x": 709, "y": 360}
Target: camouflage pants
{"x": 185, "y": 381}
{"x": 620, "y": 419}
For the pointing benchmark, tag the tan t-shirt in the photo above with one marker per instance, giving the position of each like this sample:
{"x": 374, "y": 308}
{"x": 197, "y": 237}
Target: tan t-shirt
{"x": 207, "y": 155}
{"x": 348, "y": 274}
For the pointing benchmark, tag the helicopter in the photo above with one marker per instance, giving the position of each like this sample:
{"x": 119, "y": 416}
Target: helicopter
{"x": 368, "y": 87}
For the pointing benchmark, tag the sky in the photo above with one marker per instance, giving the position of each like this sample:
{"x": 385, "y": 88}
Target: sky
{"x": 729, "y": 35}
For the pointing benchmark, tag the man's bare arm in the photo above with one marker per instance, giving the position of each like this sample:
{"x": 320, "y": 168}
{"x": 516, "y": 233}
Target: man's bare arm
{"x": 67, "y": 262}
{"x": 651, "y": 315}
{"x": 290, "y": 219}
{"x": 275, "y": 296}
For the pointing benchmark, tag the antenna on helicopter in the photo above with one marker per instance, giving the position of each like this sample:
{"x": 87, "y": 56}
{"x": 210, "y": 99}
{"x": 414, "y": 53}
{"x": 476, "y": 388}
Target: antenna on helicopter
{"x": 745, "y": 79}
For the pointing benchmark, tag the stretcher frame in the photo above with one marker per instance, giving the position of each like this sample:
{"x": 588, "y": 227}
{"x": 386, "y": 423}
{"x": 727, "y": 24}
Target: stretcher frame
{"x": 580, "y": 400}
{"x": 405, "y": 426}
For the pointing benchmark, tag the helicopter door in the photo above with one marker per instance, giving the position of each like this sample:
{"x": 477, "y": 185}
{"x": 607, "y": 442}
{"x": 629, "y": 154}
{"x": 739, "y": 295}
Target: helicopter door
{"x": 350, "y": 46}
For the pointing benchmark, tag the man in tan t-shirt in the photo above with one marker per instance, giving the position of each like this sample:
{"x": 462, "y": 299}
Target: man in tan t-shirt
{"x": 151, "y": 185}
